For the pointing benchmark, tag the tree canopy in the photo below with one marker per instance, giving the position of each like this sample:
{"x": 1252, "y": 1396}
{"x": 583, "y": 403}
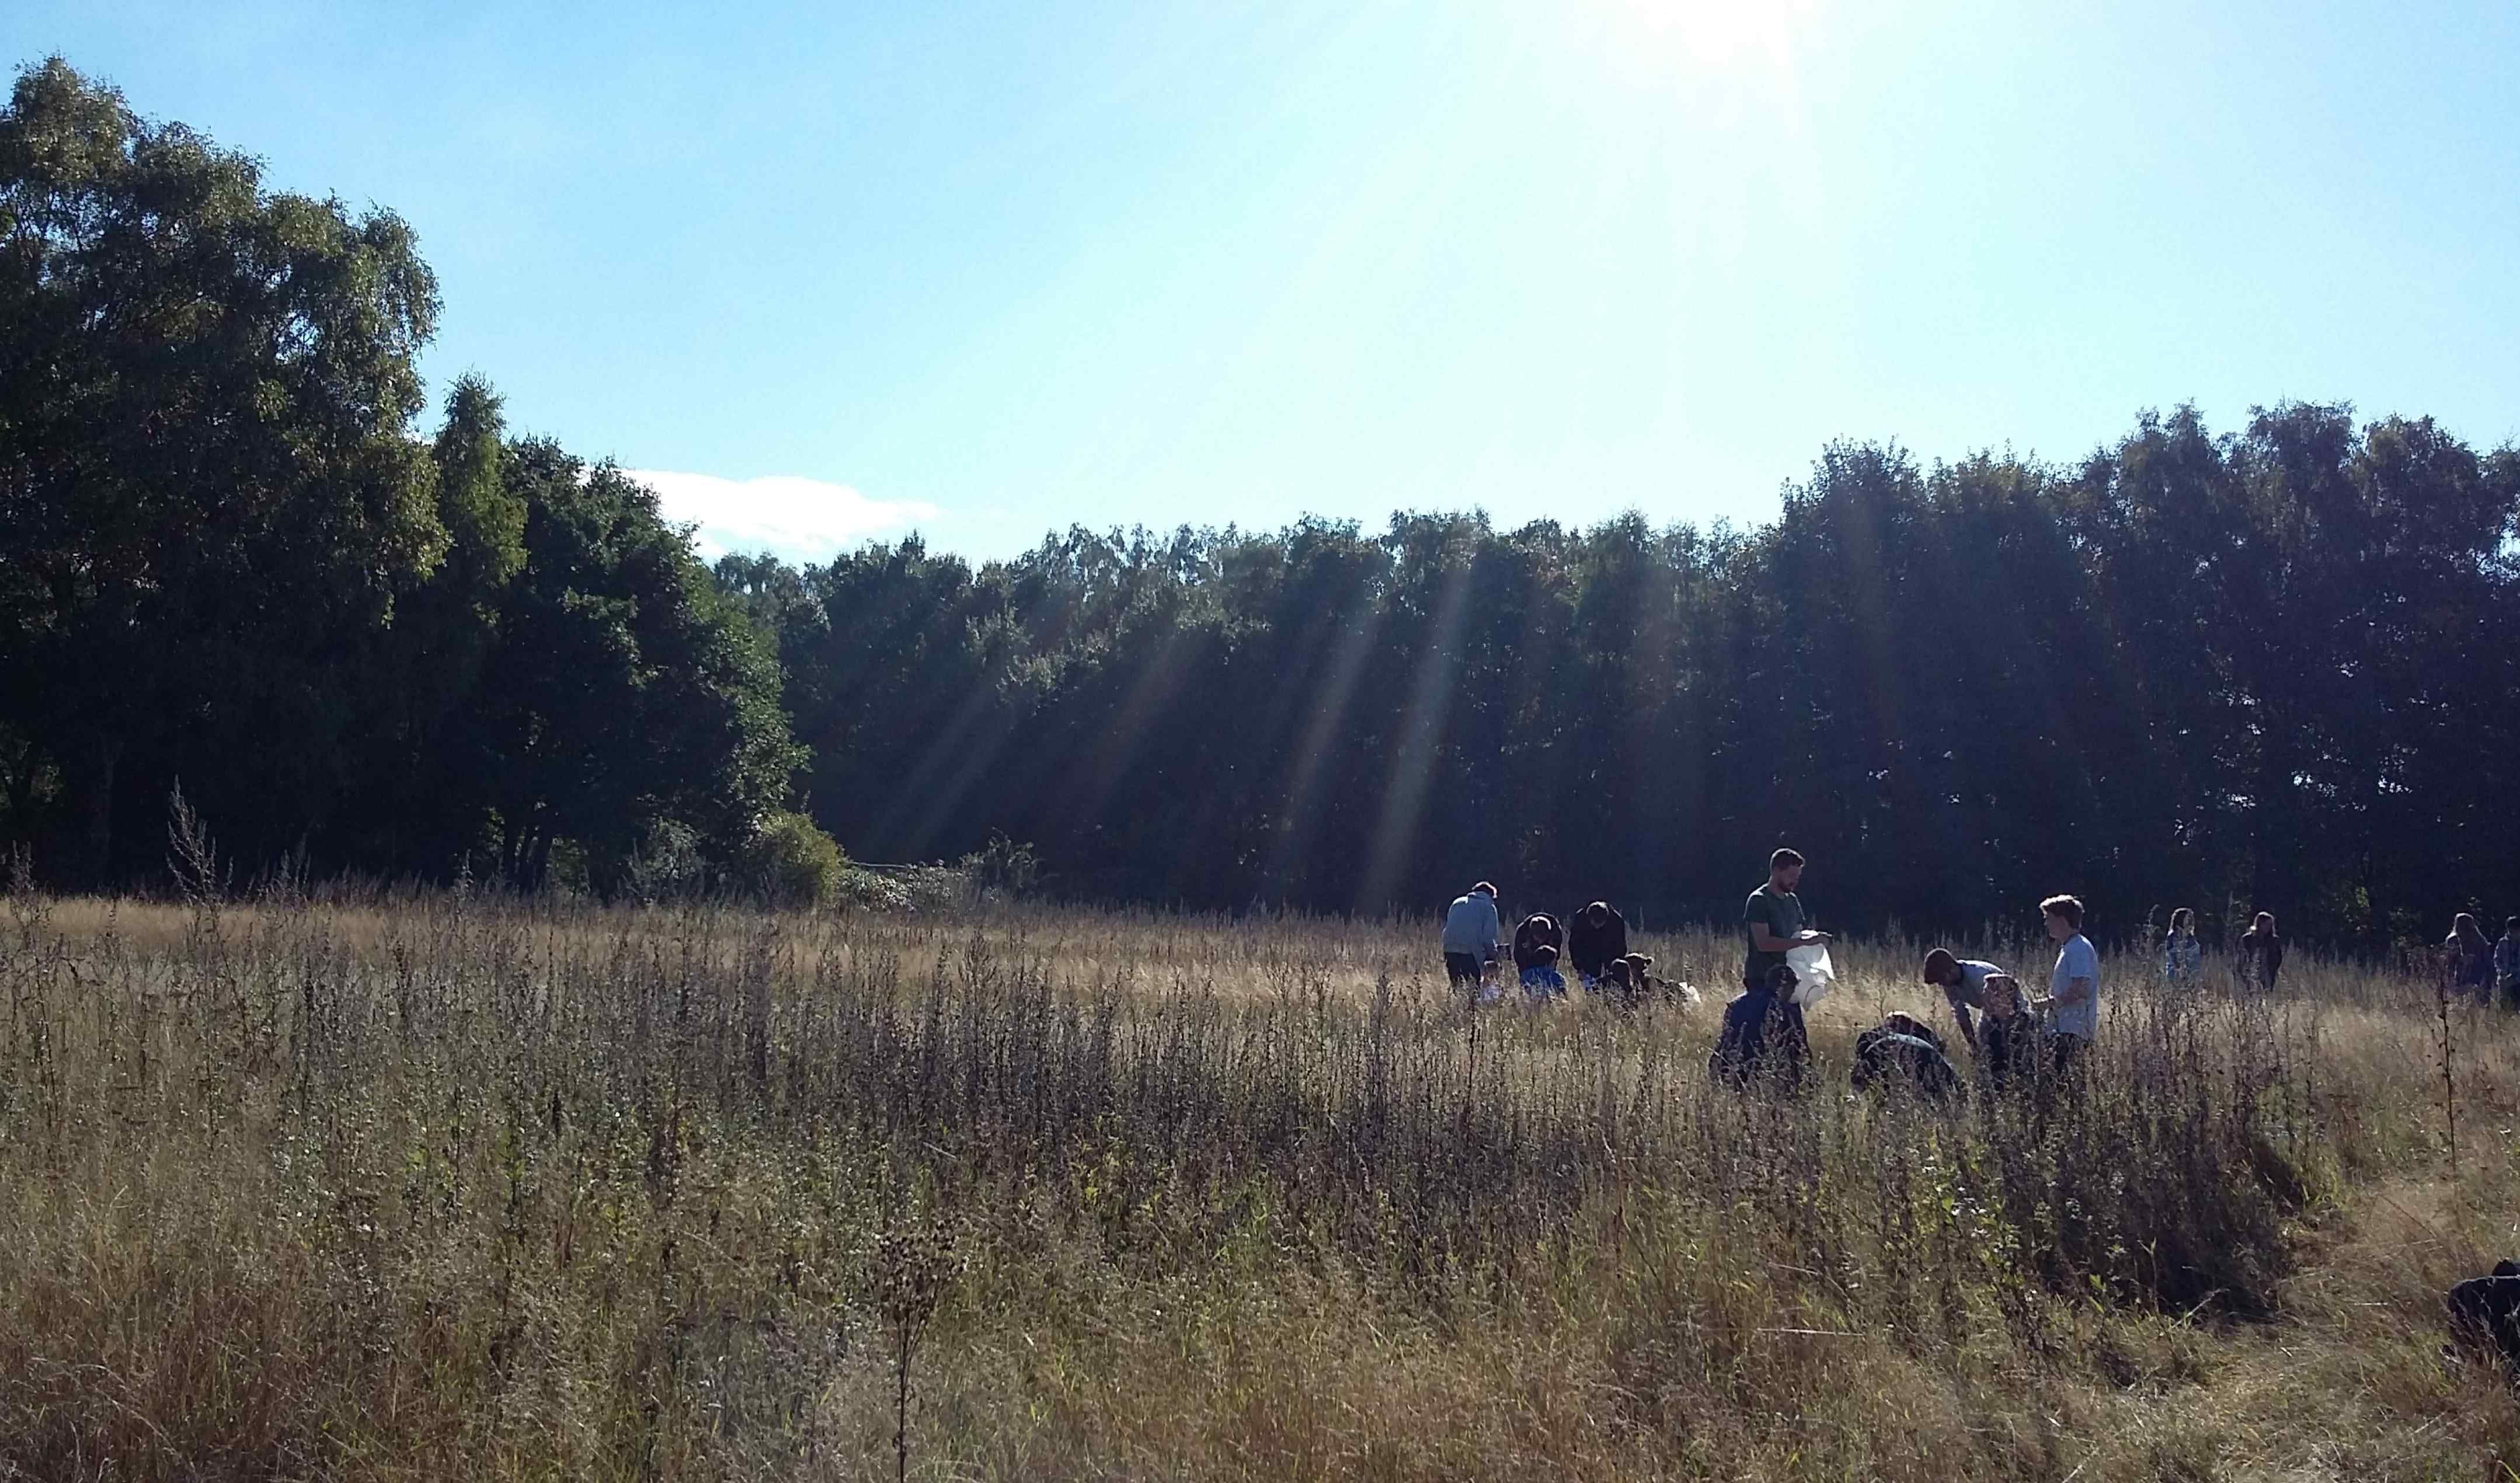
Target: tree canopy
{"x": 2269, "y": 667}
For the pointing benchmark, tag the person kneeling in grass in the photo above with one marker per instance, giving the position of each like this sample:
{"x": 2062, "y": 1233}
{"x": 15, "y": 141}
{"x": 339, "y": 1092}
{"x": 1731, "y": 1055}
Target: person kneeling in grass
{"x": 1541, "y": 982}
{"x": 2073, "y": 1002}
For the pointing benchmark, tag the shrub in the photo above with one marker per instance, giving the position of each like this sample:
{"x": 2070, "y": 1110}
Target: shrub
{"x": 792, "y": 862}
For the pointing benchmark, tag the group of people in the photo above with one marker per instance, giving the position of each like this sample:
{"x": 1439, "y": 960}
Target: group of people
{"x": 2487, "y": 972}
{"x": 2471, "y": 966}
{"x": 2013, "y": 1035}
{"x": 1593, "y": 942}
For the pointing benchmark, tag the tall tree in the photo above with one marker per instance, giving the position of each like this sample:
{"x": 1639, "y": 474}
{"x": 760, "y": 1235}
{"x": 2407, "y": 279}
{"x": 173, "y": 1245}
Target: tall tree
{"x": 208, "y": 496}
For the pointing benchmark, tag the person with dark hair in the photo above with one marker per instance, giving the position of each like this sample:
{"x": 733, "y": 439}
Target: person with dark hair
{"x": 1773, "y": 921}
{"x": 2485, "y": 1317}
{"x": 1472, "y": 933}
{"x": 2007, "y": 1036}
{"x": 1763, "y": 1042}
{"x": 1597, "y": 935}
{"x": 2506, "y": 964}
{"x": 1541, "y": 982}
{"x": 1903, "y": 1051}
{"x": 2468, "y": 958}
{"x": 1536, "y": 932}
{"x": 2262, "y": 954}
{"x": 2073, "y": 997}
{"x": 1964, "y": 982}
{"x": 2183, "y": 957}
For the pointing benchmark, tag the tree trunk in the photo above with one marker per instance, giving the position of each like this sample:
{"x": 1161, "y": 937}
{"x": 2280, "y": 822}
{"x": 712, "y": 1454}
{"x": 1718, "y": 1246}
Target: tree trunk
{"x": 88, "y": 772}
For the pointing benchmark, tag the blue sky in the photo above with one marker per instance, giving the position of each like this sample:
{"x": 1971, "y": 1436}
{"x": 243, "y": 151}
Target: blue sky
{"x": 836, "y": 271}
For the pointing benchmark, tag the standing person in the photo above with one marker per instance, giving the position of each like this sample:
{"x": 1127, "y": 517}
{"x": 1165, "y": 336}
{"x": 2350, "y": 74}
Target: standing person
{"x": 1965, "y": 982}
{"x": 2506, "y": 964}
{"x": 2471, "y": 963}
{"x": 1471, "y": 934}
{"x": 2183, "y": 957}
{"x": 2261, "y": 954}
{"x": 1537, "y": 931}
{"x": 2072, "y": 985}
{"x": 1597, "y": 935}
{"x": 1772, "y": 923}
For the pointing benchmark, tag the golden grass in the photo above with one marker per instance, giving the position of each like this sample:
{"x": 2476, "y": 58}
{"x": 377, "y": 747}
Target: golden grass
{"x": 421, "y": 1188}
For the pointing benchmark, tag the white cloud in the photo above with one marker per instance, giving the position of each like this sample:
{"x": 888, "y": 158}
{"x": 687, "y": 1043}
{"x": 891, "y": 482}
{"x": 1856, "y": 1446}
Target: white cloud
{"x": 801, "y": 519}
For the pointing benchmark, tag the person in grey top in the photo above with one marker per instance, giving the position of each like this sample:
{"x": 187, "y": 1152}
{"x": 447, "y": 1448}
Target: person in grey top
{"x": 1472, "y": 932}
{"x": 1963, "y": 981}
{"x": 2073, "y": 997}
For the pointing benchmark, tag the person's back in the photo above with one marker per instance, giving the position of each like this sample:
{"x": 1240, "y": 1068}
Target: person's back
{"x": 1763, "y": 1039}
{"x": 1472, "y": 932}
{"x": 2262, "y": 954}
{"x": 2507, "y": 965}
{"x": 1901, "y": 1050}
{"x": 1537, "y": 931}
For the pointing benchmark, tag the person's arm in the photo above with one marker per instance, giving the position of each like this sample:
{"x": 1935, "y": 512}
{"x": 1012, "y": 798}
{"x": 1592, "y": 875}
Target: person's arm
{"x": 1968, "y": 1027}
{"x": 1763, "y": 936}
{"x": 2078, "y": 987}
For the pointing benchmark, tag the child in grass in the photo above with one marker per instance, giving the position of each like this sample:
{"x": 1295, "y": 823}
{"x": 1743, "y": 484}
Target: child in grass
{"x": 1541, "y": 982}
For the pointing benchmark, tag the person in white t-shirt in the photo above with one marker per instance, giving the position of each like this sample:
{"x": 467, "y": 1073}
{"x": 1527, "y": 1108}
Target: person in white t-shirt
{"x": 2072, "y": 1001}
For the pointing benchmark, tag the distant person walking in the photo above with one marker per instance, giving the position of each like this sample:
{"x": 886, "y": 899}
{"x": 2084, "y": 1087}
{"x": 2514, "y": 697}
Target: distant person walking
{"x": 2183, "y": 957}
{"x": 2262, "y": 955}
{"x": 1965, "y": 982}
{"x": 2506, "y": 964}
{"x": 2073, "y": 998}
{"x": 1597, "y": 936}
{"x": 2469, "y": 959}
{"x": 1472, "y": 934}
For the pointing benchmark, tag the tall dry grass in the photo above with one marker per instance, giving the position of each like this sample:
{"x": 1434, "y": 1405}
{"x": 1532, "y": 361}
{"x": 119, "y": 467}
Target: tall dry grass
{"x": 446, "y": 1186}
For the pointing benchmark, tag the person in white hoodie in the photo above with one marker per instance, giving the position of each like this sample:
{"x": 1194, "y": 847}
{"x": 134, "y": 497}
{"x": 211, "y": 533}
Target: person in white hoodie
{"x": 1472, "y": 934}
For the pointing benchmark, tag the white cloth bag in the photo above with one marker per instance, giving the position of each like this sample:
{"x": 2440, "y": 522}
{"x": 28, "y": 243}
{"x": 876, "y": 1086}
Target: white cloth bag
{"x": 1813, "y": 973}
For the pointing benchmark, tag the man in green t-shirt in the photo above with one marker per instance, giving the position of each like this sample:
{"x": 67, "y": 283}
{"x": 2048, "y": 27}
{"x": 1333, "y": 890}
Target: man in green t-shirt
{"x": 1773, "y": 921}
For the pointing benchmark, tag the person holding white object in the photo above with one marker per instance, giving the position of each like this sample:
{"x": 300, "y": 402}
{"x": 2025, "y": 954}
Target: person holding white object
{"x": 1773, "y": 921}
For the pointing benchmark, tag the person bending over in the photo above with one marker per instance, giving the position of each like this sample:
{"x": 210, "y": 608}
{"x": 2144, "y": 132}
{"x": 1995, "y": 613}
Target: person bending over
{"x": 1964, "y": 982}
{"x": 1763, "y": 1040}
{"x": 1597, "y": 935}
{"x": 1537, "y": 931}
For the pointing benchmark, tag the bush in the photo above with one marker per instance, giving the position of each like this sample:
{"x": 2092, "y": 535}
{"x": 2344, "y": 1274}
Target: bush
{"x": 792, "y": 862}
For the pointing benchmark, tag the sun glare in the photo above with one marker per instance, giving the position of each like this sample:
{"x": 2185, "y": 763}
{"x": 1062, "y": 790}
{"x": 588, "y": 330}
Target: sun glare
{"x": 1710, "y": 34}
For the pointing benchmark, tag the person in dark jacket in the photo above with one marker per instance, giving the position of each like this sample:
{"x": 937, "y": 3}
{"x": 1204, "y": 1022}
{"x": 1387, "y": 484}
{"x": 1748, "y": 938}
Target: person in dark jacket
{"x": 2262, "y": 955}
{"x": 2469, "y": 959}
{"x": 2485, "y": 1316}
{"x": 1597, "y": 935}
{"x": 1901, "y": 1049}
{"x": 1763, "y": 1042}
{"x": 1537, "y": 931}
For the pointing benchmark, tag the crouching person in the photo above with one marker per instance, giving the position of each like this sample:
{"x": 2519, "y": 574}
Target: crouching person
{"x": 1763, "y": 1040}
{"x": 1902, "y": 1050}
{"x": 1541, "y": 983}
{"x": 2485, "y": 1317}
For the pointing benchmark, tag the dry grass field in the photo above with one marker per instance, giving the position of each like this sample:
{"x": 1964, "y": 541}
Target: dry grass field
{"x": 443, "y": 1188}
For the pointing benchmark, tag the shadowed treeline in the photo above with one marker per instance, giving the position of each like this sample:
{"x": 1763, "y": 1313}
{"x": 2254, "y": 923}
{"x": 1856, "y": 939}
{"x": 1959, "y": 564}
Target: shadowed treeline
{"x": 2269, "y": 670}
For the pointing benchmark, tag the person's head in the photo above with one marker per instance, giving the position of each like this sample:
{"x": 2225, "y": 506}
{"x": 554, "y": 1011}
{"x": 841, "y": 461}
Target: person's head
{"x": 2002, "y": 999}
{"x": 1638, "y": 965}
{"x": 1942, "y": 969}
{"x": 2511, "y": 927}
{"x": 2464, "y": 928}
{"x": 1483, "y": 888}
{"x": 1785, "y": 870}
{"x": 2063, "y": 914}
{"x": 1545, "y": 956}
{"x": 2182, "y": 921}
{"x": 1598, "y": 913}
{"x": 2264, "y": 924}
{"x": 1781, "y": 979}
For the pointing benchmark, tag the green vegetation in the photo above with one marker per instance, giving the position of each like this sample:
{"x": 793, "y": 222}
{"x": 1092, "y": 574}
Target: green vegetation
{"x": 461, "y": 1185}
{"x": 2261, "y": 670}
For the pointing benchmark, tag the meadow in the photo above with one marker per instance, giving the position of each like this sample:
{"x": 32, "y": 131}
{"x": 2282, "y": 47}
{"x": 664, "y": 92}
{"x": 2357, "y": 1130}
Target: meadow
{"x": 373, "y": 1186}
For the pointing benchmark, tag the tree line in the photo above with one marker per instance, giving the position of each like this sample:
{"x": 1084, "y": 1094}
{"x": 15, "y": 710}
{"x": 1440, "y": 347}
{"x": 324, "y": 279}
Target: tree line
{"x": 2264, "y": 669}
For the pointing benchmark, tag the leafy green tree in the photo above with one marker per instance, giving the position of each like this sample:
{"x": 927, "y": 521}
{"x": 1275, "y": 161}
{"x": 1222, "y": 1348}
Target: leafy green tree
{"x": 208, "y": 496}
